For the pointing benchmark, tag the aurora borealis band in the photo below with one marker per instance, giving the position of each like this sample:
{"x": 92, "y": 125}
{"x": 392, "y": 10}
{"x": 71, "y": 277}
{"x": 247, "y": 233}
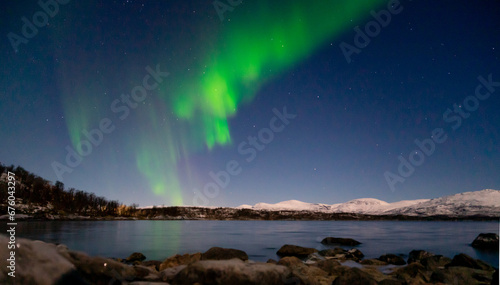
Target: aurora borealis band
{"x": 212, "y": 81}
{"x": 246, "y": 54}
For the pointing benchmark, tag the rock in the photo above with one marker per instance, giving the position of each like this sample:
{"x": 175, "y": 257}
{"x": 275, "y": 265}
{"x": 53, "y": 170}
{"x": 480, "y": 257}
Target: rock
{"x": 414, "y": 273}
{"x": 332, "y": 267}
{"x": 136, "y": 256}
{"x": 311, "y": 275}
{"x": 373, "y": 261}
{"x": 100, "y": 270}
{"x": 462, "y": 275}
{"x": 488, "y": 241}
{"x": 417, "y": 255}
{"x": 168, "y": 274}
{"x": 233, "y": 271}
{"x": 466, "y": 261}
{"x": 434, "y": 262}
{"x": 219, "y": 253}
{"x": 36, "y": 262}
{"x": 392, "y": 282}
{"x": 354, "y": 276}
{"x": 289, "y": 261}
{"x": 340, "y": 241}
{"x": 152, "y": 263}
{"x": 356, "y": 253}
{"x": 146, "y": 273}
{"x": 177, "y": 260}
{"x": 270, "y": 260}
{"x": 294, "y": 250}
{"x": 342, "y": 254}
{"x": 332, "y": 252}
{"x": 313, "y": 258}
{"x": 495, "y": 280}
{"x": 392, "y": 259}
{"x": 304, "y": 274}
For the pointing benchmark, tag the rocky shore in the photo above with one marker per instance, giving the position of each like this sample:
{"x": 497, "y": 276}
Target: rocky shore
{"x": 37, "y": 262}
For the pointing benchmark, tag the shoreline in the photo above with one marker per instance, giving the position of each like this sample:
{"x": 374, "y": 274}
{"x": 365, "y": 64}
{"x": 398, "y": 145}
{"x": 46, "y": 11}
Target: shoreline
{"x": 296, "y": 265}
{"x": 231, "y": 214}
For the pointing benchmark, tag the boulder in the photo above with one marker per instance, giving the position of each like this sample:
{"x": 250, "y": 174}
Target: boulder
{"x": 354, "y": 276}
{"x": 136, "y": 256}
{"x": 270, "y": 260}
{"x": 100, "y": 270}
{"x": 355, "y": 253}
{"x": 310, "y": 275}
{"x": 219, "y": 253}
{"x": 289, "y": 261}
{"x": 313, "y": 258}
{"x": 177, "y": 260}
{"x": 233, "y": 271}
{"x": 303, "y": 273}
{"x": 488, "y": 241}
{"x": 169, "y": 273}
{"x": 294, "y": 250}
{"x": 414, "y": 273}
{"x": 36, "y": 262}
{"x": 392, "y": 259}
{"x": 332, "y": 267}
{"x": 417, "y": 255}
{"x": 434, "y": 262}
{"x": 342, "y": 254}
{"x": 152, "y": 263}
{"x": 373, "y": 261}
{"x": 392, "y": 282}
{"x": 462, "y": 275}
{"x": 332, "y": 252}
{"x": 466, "y": 261}
{"x": 340, "y": 241}
{"x": 146, "y": 273}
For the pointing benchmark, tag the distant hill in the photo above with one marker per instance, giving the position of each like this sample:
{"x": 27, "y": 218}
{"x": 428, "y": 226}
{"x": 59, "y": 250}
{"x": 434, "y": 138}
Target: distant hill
{"x": 476, "y": 203}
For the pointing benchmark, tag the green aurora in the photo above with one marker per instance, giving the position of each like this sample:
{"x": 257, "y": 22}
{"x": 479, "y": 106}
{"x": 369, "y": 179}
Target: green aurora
{"x": 256, "y": 42}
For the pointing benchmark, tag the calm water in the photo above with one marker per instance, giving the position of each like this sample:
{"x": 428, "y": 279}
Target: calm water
{"x": 259, "y": 239}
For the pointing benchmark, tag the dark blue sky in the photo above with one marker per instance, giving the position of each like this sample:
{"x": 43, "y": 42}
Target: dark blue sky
{"x": 353, "y": 120}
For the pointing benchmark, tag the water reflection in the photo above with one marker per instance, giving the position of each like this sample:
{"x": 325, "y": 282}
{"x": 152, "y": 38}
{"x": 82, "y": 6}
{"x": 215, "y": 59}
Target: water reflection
{"x": 260, "y": 239}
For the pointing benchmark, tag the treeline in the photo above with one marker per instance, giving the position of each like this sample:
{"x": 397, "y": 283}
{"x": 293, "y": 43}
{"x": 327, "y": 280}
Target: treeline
{"x": 34, "y": 190}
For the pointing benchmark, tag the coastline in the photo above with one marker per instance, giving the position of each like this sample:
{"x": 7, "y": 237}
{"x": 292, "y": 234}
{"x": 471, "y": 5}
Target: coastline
{"x": 45, "y": 263}
{"x": 223, "y": 213}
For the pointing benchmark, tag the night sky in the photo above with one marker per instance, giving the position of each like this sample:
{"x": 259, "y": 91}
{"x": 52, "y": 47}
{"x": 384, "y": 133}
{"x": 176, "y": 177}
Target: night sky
{"x": 226, "y": 103}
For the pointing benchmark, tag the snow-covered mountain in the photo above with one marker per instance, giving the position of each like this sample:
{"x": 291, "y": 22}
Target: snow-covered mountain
{"x": 484, "y": 202}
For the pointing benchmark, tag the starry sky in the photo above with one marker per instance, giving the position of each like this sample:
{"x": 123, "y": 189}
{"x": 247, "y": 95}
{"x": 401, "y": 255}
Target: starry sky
{"x": 223, "y": 103}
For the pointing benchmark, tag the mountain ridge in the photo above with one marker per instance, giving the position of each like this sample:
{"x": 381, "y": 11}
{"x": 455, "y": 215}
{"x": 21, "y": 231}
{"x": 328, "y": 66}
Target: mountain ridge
{"x": 482, "y": 202}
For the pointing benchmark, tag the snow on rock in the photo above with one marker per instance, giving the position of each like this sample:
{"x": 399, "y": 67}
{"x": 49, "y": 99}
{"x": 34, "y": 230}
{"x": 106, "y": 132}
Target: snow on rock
{"x": 292, "y": 205}
{"x": 362, "y": 206}
{"x": 484, "y": 202}
{"x": 244, "y": 206}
